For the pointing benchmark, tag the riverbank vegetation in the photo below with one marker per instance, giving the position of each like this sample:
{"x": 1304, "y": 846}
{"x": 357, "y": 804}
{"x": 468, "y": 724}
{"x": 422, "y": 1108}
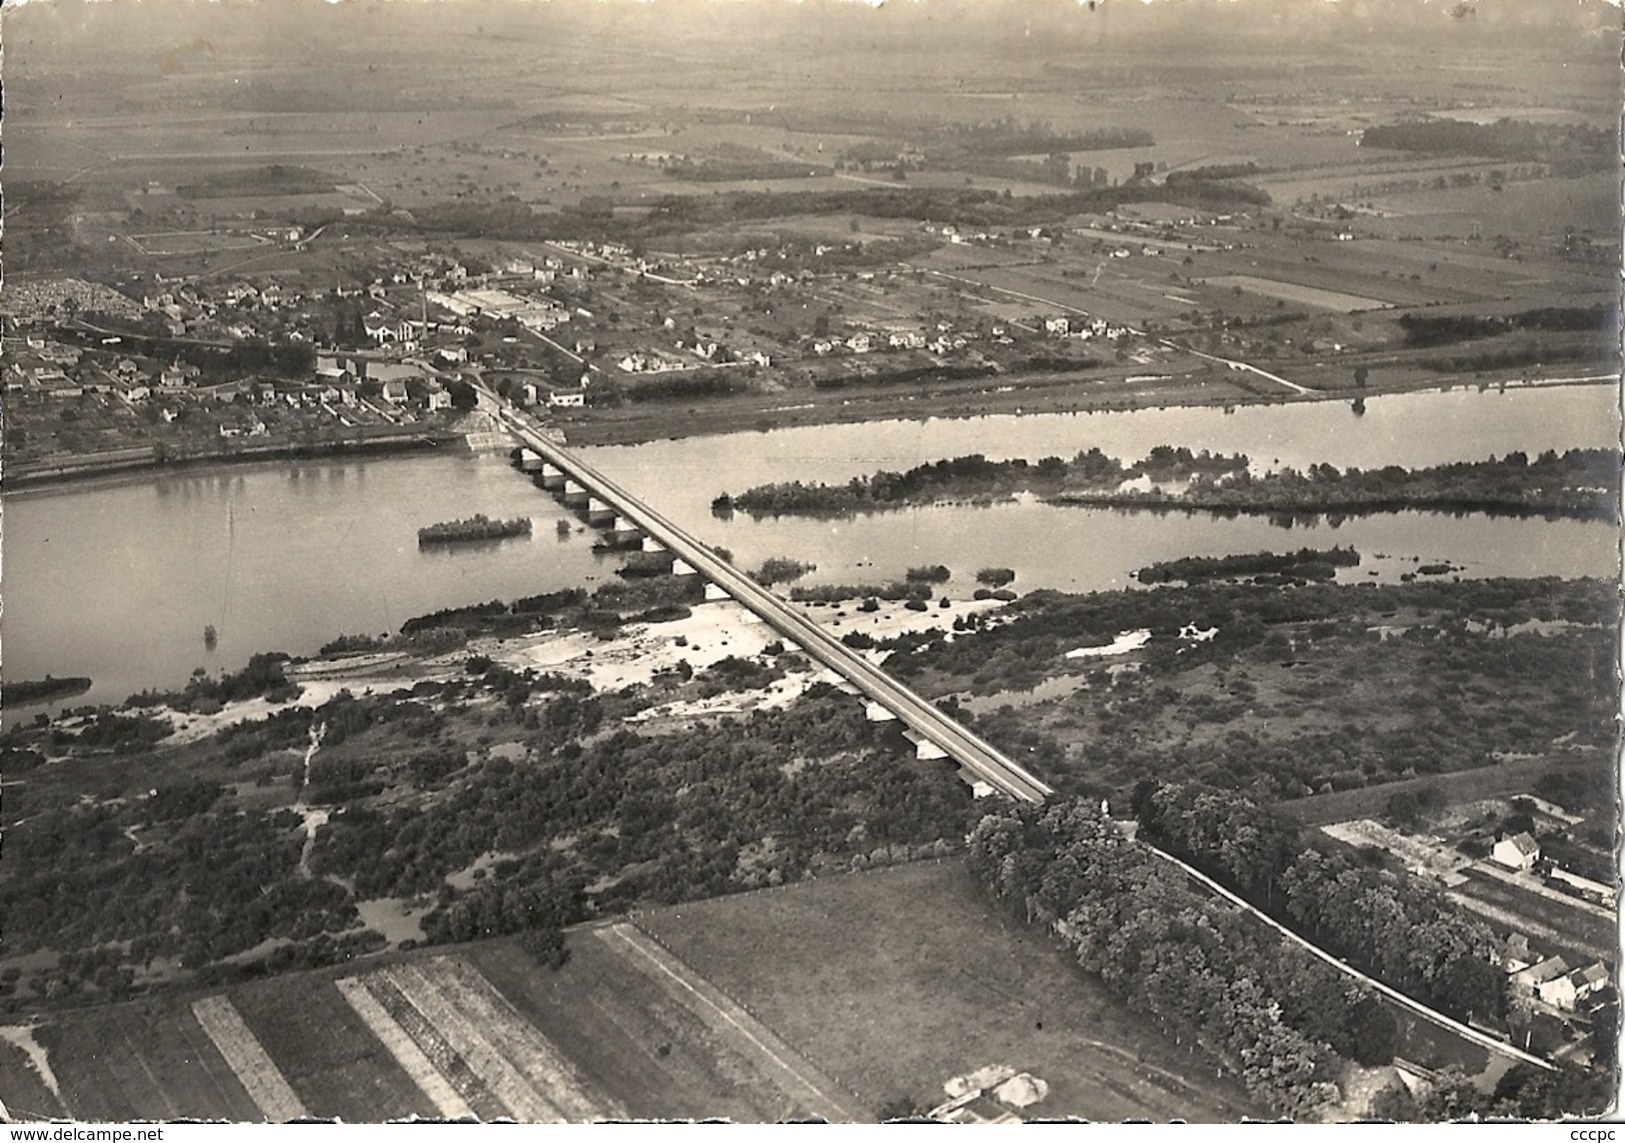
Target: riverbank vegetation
{"x": 1578, "y": 484}
{"x": 1284, "y": 692}
{"x": 779, "y": 569}
{"x": 495, "y": 799}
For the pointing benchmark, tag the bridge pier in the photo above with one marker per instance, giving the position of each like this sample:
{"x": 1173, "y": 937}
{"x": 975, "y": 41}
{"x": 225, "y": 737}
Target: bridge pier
{"x": 715, "y": 593}
{"x": 531, "y": 461}
{"x": 650, "y": 544}
{"x": 875, "y": 712}
{"x": 927, "y": 751}
{"x": 552, "y": 477}
{"x": 575, "y": 494}
{"x": 598, "y": 512}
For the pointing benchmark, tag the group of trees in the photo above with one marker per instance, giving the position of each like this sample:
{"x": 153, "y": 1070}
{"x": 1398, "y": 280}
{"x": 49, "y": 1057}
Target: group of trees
{"x": 1571, "y": 147}
{"x": 648, "y": 817}
{"x": 1279, "y": 1017}
{"x": 1201, "y": 969}
{"x": 1577, "y": 484}
{"x": 265, "y": 674}
{"x": 1391, "y": 925}
{"x": 970, "y": 476}
{"x": 198, "y": 872}
{"x": 1269, "y": 568}
{"x": 1425, "y": 330}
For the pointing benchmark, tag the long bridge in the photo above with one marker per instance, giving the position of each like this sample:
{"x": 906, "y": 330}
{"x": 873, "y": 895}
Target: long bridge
{"x": 608, "y": 504}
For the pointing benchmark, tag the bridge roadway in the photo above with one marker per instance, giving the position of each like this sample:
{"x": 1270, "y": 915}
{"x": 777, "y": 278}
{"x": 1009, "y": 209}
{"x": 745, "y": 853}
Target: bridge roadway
{"x": 927, "y": 721}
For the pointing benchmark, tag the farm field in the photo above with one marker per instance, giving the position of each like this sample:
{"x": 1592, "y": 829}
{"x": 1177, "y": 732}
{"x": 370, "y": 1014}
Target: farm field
{"x": 481, "y": 1032}
{"x": 897, "y": 980}
{"x": 146, "y": 1060}
{"x": 660, "y": 1017}
{"x": 1545, "y": 207}
{"x": 1298, "y": 295}
{"x": 1577, "y": 930}
{"x": 193, "y": 242}
{"x": 1513, "y": 776}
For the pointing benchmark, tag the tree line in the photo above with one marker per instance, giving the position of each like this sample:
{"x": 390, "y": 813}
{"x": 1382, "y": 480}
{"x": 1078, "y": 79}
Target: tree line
{"x": 1200, "y": 969}
{"x": 1395, "y": 927}
{"x": 1427, "y": 330}
{"x": 970, "y": 476}
{"x": 1579, "y": 484}
{"x": 1281, "y": 1019}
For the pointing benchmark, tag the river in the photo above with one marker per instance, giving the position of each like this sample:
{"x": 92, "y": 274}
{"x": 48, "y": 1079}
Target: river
{"x": 117, "y": 580}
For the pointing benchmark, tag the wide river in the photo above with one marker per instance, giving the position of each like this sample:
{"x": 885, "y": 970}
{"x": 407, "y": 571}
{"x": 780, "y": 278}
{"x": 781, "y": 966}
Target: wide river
{"x": 117, "y": 579}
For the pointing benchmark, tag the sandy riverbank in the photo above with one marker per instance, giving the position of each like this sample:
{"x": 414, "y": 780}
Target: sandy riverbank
{"x": 634, "y": 657}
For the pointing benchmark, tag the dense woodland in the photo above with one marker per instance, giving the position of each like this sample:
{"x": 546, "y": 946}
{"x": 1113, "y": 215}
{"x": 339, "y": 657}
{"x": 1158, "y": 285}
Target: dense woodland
{"x": 1568, "y": 148}
{"x": 1428, "y": 330}
{"x": 1388, "y": 924}
{"x": 1199, "y": 969}
{"x": 1282, "y": 1020}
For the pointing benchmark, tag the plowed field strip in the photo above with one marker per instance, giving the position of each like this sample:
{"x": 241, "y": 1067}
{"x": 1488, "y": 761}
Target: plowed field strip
{"x": 436, "y": 1047}
{"x": 253, "y": 1067}
{"x": 519, "y": 1040}
{"x": 521, "y": 1098}
{"x": 233, "y": 1097}
{"x": 400, "y": 1045}
{"x": 771, "y": 1055}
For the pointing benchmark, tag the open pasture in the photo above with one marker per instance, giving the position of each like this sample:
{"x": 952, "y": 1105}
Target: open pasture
{"x": 1295, "y": 294}
{"x": 1525, "y": 211}
{"x": 194, "y": 242}
{"x": 894, "y": 981}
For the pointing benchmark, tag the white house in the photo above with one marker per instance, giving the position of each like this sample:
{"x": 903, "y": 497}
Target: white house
{"x": 567, "y": 398}
{"x": 1520, "y": 851}
{"x": 1530, "y": 979}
